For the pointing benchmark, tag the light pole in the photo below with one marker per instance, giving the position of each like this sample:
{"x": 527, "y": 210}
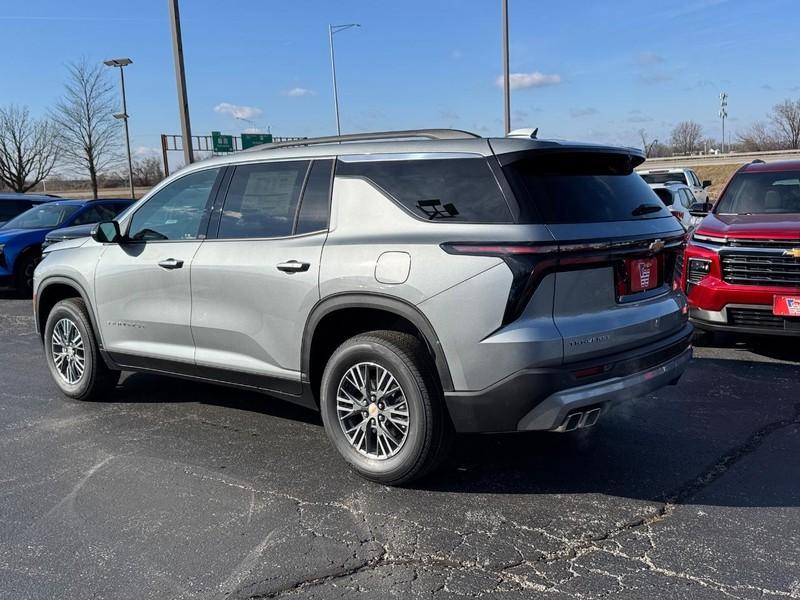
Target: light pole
{"x": 331, "y": 30}
{"x": 506, "y": 83}
{"x": 180, "y": 79}
{"x": 121, "y": 63}
{"x": 723, "y": 113}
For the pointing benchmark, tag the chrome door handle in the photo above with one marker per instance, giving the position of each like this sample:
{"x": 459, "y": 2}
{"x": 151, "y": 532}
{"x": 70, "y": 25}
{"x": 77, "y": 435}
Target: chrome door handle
{"x": 293, "y": 266}
{"x": 170, "y": 263}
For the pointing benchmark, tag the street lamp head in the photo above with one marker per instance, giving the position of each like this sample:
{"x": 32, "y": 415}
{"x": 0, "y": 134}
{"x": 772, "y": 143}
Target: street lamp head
{"x": 338, "y": 28}
{"x": 117, "y": 62}
{"x": 120, "y": 115}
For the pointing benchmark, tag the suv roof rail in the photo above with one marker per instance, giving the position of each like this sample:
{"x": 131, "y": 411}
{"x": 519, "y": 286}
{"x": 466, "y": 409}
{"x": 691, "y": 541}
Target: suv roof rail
{"x": 429, "y": 134}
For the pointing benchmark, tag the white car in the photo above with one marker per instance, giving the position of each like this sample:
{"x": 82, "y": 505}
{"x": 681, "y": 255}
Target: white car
{"x": 679, "y": 200}
{"x": 685, "y": 176}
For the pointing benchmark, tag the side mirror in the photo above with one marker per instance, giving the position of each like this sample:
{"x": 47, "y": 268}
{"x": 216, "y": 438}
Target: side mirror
{"x": 706, "y": 183}
{"x": 701, "y": 207}
{"x": 106, "y": 232}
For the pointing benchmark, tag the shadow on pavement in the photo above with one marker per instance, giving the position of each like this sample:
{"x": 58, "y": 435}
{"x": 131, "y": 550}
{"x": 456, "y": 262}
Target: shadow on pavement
{"x": 775, "y": 347}
{"x": 664, "y": 447}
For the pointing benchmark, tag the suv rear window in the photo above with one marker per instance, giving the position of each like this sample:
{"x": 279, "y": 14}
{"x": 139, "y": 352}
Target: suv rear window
{"x": 757, "y": 193}
{"x": 582, "y": 187}
{"x": 680, "y": 177}
{"x": 460, "y": 190}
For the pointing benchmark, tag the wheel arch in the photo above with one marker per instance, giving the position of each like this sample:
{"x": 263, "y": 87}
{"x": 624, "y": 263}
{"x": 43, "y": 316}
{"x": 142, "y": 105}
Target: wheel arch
{"x": 377, "y": 305}
{"x": 54, "y": 289}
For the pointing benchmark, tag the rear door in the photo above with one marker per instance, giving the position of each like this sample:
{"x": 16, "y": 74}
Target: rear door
{"x": 255, "y": 282}
{"x": 617, "y": 250}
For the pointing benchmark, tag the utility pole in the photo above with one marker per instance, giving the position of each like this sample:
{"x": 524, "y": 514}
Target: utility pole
{"x": 506, "y": 83}
{"x": 180, "y": 78}
{"x": 723, "y": 113}
{"x": 331, "y": 30}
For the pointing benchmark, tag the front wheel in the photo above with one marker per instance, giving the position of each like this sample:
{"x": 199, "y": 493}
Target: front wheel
{"x": 72, "y": 353}
{"x": 383, "y": 408}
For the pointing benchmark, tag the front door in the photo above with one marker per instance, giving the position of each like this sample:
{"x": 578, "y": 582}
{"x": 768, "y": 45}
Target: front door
{"x": 142, "y": 284}
{"x": 255, "y": 284}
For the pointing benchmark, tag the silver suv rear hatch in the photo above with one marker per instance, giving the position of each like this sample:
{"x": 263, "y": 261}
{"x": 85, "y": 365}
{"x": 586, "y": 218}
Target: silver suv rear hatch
{"x": 618, "y": 249}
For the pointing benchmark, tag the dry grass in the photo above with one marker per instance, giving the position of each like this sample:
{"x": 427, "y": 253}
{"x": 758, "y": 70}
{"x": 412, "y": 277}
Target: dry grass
{"x": 102, "y": 193}
{"x": 719, "y": 176}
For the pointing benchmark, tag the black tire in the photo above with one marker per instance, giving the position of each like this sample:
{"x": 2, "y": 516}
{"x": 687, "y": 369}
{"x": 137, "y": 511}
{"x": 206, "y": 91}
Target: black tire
{"x": 96, "y": 379}
{"x": 23, "y": 273}
{"x": 429, "y": 433}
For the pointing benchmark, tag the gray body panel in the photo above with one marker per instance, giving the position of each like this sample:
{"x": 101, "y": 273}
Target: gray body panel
{"x": 142, "y": 308}
{"x": 246, "y": 314}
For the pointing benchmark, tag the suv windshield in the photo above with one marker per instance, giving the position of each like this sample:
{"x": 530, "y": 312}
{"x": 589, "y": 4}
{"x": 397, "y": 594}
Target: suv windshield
{"x": 583, "y": 187}
{"x": 756, "y": 193}
{"x": 42, "y": 217}
{"x": 664, "y": 177}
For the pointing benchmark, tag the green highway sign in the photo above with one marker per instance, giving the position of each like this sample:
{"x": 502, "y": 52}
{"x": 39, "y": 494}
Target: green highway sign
{"x": 222, "y": 143}
{"x": 255, "y": 139}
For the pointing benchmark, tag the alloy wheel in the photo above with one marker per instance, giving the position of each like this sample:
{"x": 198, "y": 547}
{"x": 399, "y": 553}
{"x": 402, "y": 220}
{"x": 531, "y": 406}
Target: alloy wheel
{"x": 66, "y": 346}
{"x": 373, "y": 411}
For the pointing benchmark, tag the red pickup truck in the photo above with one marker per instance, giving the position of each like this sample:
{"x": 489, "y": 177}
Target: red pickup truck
{"x": 742, "y": 264}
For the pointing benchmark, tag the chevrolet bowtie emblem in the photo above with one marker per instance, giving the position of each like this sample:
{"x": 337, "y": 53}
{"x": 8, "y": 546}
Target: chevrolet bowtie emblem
{"x": 794, "y": 252}
{"x": 657, "y": 246}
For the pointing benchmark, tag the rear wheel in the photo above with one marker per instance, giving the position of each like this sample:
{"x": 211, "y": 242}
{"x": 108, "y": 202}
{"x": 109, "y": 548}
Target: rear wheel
{"x": 383, "y": 409}
{"x": 72, "y": 353}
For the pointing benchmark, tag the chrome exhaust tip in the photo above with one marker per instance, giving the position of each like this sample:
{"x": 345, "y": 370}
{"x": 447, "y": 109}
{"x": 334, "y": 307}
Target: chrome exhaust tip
{"x": 590, "y": 418}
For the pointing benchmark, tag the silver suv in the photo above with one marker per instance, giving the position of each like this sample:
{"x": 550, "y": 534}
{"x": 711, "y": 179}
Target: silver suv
{"x": 409, "y": 285}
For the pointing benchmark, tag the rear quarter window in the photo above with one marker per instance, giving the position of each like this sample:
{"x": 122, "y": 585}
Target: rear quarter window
{"x": 462, "y": 190}
{"x": 582, "y": 187}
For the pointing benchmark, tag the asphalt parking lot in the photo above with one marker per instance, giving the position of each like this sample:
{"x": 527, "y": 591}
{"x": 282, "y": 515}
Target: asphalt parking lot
{"x": 181, "y": 490}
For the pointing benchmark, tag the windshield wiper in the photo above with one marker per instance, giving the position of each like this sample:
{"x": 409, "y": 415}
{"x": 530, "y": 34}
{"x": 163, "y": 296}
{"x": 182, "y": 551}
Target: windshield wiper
{"x": 644, "y": 209}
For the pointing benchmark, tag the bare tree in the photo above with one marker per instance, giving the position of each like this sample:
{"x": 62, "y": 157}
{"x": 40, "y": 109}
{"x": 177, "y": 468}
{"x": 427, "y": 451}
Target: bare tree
{"x": 686, "y": 137}
{"x": 758, "y": 138}
{"x": 786, "y": 119}
{"x": 147, "y": 171}
{"x": 28, "y": 148}
{"x": 90, "y": 136}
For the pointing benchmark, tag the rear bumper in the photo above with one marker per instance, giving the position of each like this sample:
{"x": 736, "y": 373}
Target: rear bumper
{"x": 543, "y": 399}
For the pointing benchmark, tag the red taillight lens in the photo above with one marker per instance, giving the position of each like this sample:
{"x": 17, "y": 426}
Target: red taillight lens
{"x": 498, "y": 249}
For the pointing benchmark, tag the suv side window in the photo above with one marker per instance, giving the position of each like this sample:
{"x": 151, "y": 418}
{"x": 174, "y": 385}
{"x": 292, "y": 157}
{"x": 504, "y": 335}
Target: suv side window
{"x": 262, "y": 200}
{"x": 463, "y": 190}
{"x": 695, "y": 180}
{"x": 314, "y": 207}
{"x": 176, "y": 211}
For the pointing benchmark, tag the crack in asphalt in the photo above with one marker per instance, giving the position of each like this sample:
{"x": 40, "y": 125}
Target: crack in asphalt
{"x": 570, "y": 553}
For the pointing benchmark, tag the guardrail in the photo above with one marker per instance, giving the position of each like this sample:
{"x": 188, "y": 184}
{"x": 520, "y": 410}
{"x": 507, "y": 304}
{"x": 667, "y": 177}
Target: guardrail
{"x": 720, "y": 159}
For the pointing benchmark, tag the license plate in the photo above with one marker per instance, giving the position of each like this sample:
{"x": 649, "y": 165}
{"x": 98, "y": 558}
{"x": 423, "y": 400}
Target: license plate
{"x": 786, "y": 306}
{"x": 642, "y": 274}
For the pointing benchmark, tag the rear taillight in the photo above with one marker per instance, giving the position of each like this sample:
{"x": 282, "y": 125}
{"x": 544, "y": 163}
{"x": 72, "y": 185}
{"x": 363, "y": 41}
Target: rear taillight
{"x": 678, "y": 215}
{"x": 528, "y": 263}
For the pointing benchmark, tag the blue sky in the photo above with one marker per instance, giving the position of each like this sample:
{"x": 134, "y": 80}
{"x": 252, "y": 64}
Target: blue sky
{"x": 595, "y": 71}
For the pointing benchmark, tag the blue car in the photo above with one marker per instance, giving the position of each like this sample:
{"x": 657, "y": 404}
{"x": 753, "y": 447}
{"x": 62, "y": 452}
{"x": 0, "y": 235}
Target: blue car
{"x": 12, "y": 204}
{"x": 21, "y": 238}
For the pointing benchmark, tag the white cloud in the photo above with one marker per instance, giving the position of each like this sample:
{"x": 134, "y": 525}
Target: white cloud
{"x": 145, "y": 151}
{"x": 518, "y": 81}
{"x": 300, "y": 91}
{"x": 237, "y": 111}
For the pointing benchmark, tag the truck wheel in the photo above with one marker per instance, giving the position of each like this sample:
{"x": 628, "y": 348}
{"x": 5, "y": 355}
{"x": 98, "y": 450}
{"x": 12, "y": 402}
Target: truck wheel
{"x": 383, "y": 409}
{"x": 72, "y": 353}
